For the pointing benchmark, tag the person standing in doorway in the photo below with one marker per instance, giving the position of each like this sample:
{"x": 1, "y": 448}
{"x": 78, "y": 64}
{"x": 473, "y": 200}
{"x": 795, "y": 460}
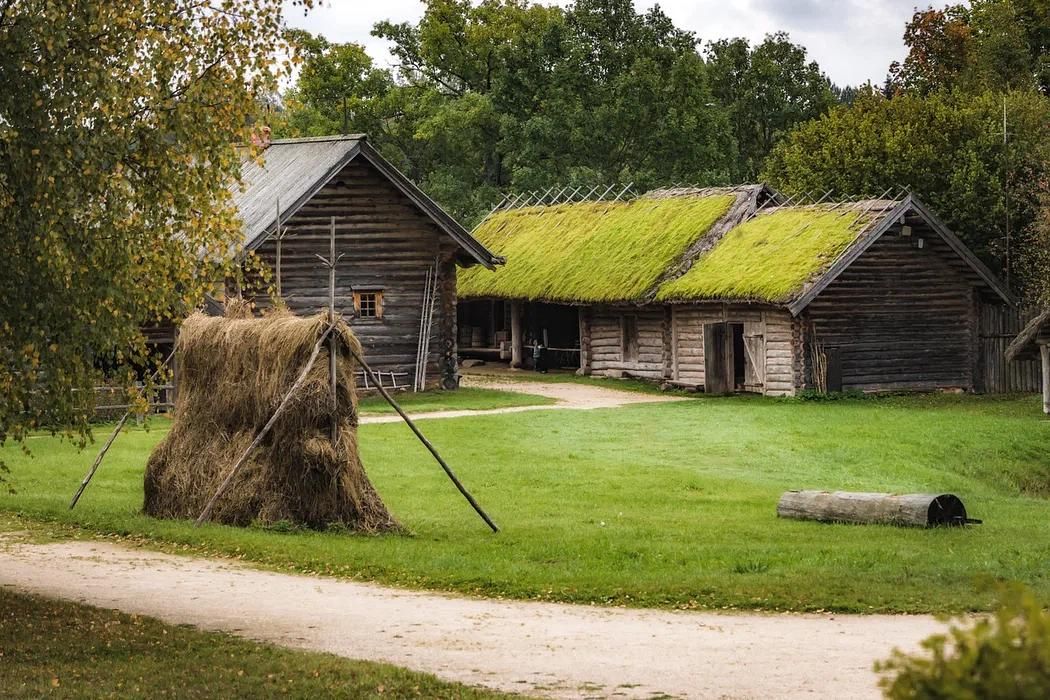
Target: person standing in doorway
{"x": 539, "y": 359}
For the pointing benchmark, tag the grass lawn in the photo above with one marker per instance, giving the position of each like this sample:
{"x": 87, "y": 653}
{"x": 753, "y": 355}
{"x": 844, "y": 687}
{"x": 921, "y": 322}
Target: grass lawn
{"x": 57, "y": 649}
{"x": 664, "y": 505}
{"x": 467, "y": 398}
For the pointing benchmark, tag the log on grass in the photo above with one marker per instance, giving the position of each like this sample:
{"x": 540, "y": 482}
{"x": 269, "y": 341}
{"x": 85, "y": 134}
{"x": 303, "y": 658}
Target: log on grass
{"x": 908, "y": 509}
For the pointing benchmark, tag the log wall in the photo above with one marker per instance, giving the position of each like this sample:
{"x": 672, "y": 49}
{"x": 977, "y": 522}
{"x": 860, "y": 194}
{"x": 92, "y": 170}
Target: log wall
{"x": 388, "y": 245}
{"x": 670, "y": 342}
{"x": 901, "y": 317}
{"x": 775, "y": 327}
{"x": 607, "y": 356}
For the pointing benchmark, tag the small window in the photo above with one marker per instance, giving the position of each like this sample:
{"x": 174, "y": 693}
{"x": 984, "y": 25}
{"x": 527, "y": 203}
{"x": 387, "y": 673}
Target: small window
{"x": 369, "y": 304}
{"x": 629, "y": 338}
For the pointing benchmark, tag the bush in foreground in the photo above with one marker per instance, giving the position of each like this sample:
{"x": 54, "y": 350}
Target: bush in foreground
{"x": 1005, "y": 655}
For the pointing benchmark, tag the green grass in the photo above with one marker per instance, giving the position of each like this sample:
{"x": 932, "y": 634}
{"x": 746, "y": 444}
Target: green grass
{"x": 662, "y": 505}
{"x": 57, "y": 649}
{"x": 590, "y": 251}
{"x": 768, "y": 258}
{"x": 466, "y": 398}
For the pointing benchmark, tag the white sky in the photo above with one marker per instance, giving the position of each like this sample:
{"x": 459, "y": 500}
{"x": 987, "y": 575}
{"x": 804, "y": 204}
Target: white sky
{"x": 852, "y": 40}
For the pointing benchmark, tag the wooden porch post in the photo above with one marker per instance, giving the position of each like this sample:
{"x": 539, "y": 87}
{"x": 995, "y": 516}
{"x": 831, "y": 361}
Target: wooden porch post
{"x": 1044, "y": 351}
{"x": 585, "y": 340}
{"x": 516, "y": 341}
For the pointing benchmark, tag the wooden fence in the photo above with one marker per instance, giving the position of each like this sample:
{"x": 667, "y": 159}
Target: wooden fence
{"x": 996, "y": 375}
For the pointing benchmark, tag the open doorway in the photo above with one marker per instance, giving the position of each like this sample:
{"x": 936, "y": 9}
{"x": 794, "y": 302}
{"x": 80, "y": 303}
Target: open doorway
{"x": 734, "y": 358}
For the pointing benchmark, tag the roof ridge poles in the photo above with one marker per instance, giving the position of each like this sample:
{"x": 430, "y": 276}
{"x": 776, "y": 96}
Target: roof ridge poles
{"x": 871, "y": 203}
{"x": 626, "y": 188}
{"x": 113, "y": 436}
{"x": 285, "y": 402}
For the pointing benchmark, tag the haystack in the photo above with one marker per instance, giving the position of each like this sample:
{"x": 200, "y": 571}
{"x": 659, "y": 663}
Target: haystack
{"x": 233, "y": 373}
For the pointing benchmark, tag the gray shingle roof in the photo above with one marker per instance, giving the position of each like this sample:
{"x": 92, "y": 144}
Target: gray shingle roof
{"x": 293, "y": 170}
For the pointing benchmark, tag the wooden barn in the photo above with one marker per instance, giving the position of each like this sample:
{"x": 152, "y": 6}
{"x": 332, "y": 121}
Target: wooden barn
{"x": 735, "y": 290}
{"x": 400, "y": 252}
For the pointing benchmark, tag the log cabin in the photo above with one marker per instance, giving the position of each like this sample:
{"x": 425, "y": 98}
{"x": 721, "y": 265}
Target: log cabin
{"x": 392, "y": 239}
{"x": 735, "y": 290}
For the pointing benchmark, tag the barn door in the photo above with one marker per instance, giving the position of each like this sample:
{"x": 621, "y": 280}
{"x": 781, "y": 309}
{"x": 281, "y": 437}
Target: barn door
{"x": 718, "y": 359}
{"x": 755, "y": 360}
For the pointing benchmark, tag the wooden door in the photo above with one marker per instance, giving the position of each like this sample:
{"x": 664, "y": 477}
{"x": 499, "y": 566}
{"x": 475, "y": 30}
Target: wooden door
{"x": 755, "y": 356}
{"x": 718, "y": 359}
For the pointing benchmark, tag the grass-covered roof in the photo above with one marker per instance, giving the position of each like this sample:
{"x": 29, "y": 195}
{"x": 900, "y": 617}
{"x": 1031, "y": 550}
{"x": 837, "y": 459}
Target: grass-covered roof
{"x": 589, "y": 251}
{"x": 770, "y": 257}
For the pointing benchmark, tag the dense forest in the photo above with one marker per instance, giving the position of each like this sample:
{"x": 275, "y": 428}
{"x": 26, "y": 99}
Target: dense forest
{"x": 512, "y": 95}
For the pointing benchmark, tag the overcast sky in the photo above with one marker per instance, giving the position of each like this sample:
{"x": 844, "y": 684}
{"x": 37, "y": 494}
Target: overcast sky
{"x": 852, "y": 40}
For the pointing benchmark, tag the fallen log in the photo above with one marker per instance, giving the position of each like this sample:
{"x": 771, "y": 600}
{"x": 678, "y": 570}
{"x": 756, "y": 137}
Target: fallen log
{"x": 908, "y": 509}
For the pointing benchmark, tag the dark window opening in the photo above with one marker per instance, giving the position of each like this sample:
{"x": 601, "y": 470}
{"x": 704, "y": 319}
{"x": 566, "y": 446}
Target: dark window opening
{"x": 739, "y": 357}
{"x": 629, "y": 338}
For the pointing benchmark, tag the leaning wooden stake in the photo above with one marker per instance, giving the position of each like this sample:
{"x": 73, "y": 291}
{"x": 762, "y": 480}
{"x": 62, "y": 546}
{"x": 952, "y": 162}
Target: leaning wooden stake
{"x": 422, "y": 438}
{"x": 113, "y": 436}
{"x": 285, "y": 402}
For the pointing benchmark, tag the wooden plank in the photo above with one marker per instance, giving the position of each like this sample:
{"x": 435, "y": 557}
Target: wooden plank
{"x": 716, "y": 357}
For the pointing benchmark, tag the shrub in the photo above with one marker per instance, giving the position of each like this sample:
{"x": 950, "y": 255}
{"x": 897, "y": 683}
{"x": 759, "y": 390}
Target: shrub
{"x": 1005, "y": 656}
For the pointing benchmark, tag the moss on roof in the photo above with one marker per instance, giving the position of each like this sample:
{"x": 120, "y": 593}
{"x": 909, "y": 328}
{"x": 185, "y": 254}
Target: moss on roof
{"x": 771, "y": 257}
{"x": 589, "y": 251}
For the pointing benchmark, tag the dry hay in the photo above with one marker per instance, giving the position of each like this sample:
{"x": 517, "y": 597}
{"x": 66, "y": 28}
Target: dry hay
{"x": 233, "y": 372}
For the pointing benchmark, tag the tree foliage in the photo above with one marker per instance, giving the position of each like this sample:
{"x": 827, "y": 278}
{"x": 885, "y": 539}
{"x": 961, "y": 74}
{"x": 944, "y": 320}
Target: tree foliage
{"x": 946, "y": 148}
{"x": 1005, "y": 655}
{"x": 118, "y": 132}
{"x": 937, "y": 130}
{"x": 511, "y": 95}
{"x": 990, "y": 44}
{"x": 768, "y": 89}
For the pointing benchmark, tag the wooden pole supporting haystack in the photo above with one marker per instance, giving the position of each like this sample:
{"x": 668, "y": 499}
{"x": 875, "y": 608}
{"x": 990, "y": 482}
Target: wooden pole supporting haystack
{"x": 285, "y": 402}
{"x": 330, "y": 262}
{"x": 914, "y": 509}
{"x": 113, "y": 436}
{"x": 426, "y": 443}
{"x": 332, "y": 347}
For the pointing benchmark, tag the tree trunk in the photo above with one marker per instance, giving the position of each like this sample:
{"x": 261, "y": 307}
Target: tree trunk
{"x": 916, "y": 509}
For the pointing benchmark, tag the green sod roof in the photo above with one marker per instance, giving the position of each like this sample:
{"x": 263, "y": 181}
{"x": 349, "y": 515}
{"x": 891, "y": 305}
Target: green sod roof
{"x": 770, "y": 257}
{"x": 589, "y": 251}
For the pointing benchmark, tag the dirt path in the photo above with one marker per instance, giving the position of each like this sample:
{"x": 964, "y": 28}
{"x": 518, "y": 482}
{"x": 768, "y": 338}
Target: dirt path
{"x": 569, "y": 395}
{"x": 545, "y": 649}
